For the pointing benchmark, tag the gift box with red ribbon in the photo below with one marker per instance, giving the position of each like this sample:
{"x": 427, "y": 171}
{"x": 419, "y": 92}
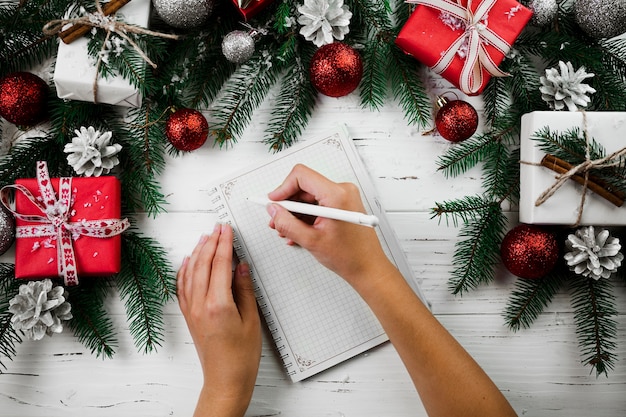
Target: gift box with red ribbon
{"x": 463, "y": 41}
{"x": 249, "y": 8}
{"x": 66, "y": 226}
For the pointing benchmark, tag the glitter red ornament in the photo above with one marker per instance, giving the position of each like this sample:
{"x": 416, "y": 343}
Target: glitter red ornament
{"x": 23, "y": 98}
{"x": 187, "y": 129}
{"x": 529, "y": 251}
{"x": 336, "y": 69}
{"x": 456, "y": 120}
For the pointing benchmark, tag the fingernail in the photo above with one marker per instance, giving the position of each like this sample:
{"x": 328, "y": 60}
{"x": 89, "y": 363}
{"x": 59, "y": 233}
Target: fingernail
{"x": 203, "y": 238}
{"x": 223, "y": 228}
{"x": 243, "y": 268}
{"x": 271, "y": 209}
{"x": 185, "y": 261}
{"x": 217, "y": 228}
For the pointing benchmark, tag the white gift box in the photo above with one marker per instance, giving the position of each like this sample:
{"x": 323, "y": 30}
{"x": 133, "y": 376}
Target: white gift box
{"x": 607, "y": 129}
{"x": 75, "y": 70}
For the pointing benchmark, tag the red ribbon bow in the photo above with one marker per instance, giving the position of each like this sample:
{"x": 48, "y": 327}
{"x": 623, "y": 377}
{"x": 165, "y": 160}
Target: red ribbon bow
{"x": 54, "y": 221}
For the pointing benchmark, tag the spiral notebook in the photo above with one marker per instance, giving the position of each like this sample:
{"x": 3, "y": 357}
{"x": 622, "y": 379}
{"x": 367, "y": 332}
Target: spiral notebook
{"x": 315, "y": 318}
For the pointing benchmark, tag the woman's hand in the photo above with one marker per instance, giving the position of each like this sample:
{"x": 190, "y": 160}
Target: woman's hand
{"x": 351, "y": 251}
{"x": 221, "y": 313}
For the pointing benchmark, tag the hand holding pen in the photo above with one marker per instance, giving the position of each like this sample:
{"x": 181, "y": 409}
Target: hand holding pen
{"x": 345, "y": 248}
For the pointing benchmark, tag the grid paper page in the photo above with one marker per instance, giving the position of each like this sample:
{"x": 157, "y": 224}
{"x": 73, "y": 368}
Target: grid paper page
{"x": 316, "y": 319}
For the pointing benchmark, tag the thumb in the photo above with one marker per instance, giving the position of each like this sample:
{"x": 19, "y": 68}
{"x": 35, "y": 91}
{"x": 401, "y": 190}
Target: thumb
{"x": 244, "y": 292}
{"x": 288, "y": 226}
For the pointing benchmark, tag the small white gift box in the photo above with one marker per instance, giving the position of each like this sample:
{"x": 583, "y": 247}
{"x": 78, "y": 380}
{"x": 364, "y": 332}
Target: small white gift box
{"x": 75, "y": 69}
{"x": 606, "y": 128}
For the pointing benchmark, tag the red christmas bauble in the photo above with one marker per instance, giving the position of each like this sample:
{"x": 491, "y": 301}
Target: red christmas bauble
{"x": 336, "y": 69}
{"x": 23, "y": 98}
{"x": 456, "y": 120}
{"x": 529, "y": 251}
{"x": 187, "y": 129}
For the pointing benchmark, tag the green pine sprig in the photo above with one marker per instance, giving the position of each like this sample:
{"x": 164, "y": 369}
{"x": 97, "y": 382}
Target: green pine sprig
{"x": 529, "y": 298}
{"x": 572, "y": 146}
{"x": 90, "y": 322}
{"x": 242, "y": 94}
{"x": 145, "y": 283}
{"x": 594, "y": 314}
{"x": 478, "y": 249}
{"x": 9, "y": 337}
{"x": 296, "y": 100}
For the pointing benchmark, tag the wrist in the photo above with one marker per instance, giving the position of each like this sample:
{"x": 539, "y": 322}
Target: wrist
{"x": 216, "y": 404}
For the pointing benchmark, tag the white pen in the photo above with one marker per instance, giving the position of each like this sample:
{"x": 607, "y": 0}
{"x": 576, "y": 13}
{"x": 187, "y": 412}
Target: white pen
{"x": 321, "y": 211}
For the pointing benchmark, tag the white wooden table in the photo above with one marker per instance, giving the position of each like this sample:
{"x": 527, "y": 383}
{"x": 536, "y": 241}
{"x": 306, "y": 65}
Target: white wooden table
{"x": 538, "y": 370}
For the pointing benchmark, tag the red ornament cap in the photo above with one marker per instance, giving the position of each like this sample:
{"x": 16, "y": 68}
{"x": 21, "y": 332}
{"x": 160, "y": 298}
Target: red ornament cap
{"x": 456, "y": 120}
{"x": 336, "y": 69}
{"x": 187, "y": 129}
{"x": 23, "y": 98}
{"x": 529, "y": 251}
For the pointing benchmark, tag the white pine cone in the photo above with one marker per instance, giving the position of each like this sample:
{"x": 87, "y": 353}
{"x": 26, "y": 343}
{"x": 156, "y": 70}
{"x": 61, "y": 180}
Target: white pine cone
{"x": 323, "y": 20}
{"x": 91, "y": 152}
{"x": 565, "y": 88}
{"x": 39, "y": 309}
{"x": 593, "y": 255}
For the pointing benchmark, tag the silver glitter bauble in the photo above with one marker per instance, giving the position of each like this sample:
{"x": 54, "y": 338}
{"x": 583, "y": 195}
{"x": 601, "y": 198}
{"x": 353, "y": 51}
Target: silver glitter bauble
{"x": 184, "y": 14}
{"x": 238, "y": 46}
{"x": 601, "y": 18}
{"x": 7, "y": 229}
{"x": 544, "y": 11}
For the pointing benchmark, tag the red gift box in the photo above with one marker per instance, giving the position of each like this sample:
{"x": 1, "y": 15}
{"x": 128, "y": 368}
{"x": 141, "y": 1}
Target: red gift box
{"x": 444, "y": 41}
{"x": 95, "y": 204}
{"x": 249, "y": 8}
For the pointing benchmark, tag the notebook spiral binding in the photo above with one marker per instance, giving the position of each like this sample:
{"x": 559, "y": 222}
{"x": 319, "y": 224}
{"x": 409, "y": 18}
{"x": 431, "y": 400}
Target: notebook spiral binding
{"x": 219, "y": 206}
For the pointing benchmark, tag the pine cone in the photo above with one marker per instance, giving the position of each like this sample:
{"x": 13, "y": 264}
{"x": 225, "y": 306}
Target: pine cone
{"x": 323, "y": 20}
{"x": 91, "y": 152}
{"x": 39, "y": 309}
{"x": 566, "y": 88}
{"x": 594, "y": 255}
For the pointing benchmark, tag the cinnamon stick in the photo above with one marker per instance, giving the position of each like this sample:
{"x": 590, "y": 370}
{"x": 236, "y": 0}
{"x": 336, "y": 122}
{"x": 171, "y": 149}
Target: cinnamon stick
{"x": 77, "y": 30}
{"x": 595, "y": 184}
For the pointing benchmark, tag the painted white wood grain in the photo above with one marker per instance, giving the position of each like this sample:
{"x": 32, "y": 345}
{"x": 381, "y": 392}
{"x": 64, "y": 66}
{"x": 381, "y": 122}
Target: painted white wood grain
{"x": 537, "y": 369}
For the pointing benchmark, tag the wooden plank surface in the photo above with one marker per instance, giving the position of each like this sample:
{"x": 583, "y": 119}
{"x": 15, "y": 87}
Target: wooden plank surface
{"x": 538, "y": 369}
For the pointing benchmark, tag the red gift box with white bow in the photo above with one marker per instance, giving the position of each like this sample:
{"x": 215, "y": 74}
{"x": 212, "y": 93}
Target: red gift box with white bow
{"x": 464, "y": 41}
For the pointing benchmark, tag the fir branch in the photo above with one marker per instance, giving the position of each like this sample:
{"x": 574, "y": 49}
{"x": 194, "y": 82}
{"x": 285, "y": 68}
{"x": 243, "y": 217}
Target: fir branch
{"x": 479, "y": 250}
{"x": 90, "y": 322}
{"x": 22, "y": 44}
{"x": 151, "y": 259}
{"x": 145, "y": 283}
{"x": 373, "y": 86}
{"x": 22, "y": 159}
{"x": 529, "y": 298}
{"x": 407, "y": 87}
{"x": 496, "y": 101}
{"x": 501, "y": 173}
{"x": 370, "y": 15}
{"x": 467, "y": 154}
{"x": 195, "y": 70}
{"x": 9, "y": 337}
{"x": 281, "y": 22}
{"x": 143, "y": 159}
{"x": 596, "y": 330}
{"x": 295, "y": 102}
{"x": 242, "y": 94}
{"x": 571, "y": 146}
{"x": 465, "y": 209}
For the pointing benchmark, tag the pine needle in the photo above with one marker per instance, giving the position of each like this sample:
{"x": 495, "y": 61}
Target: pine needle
{"x": 596, "y": 328}
{"x": 9, "y": 337}
{"x": 530, "y": 297}
{"x": 90, "y": 323}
